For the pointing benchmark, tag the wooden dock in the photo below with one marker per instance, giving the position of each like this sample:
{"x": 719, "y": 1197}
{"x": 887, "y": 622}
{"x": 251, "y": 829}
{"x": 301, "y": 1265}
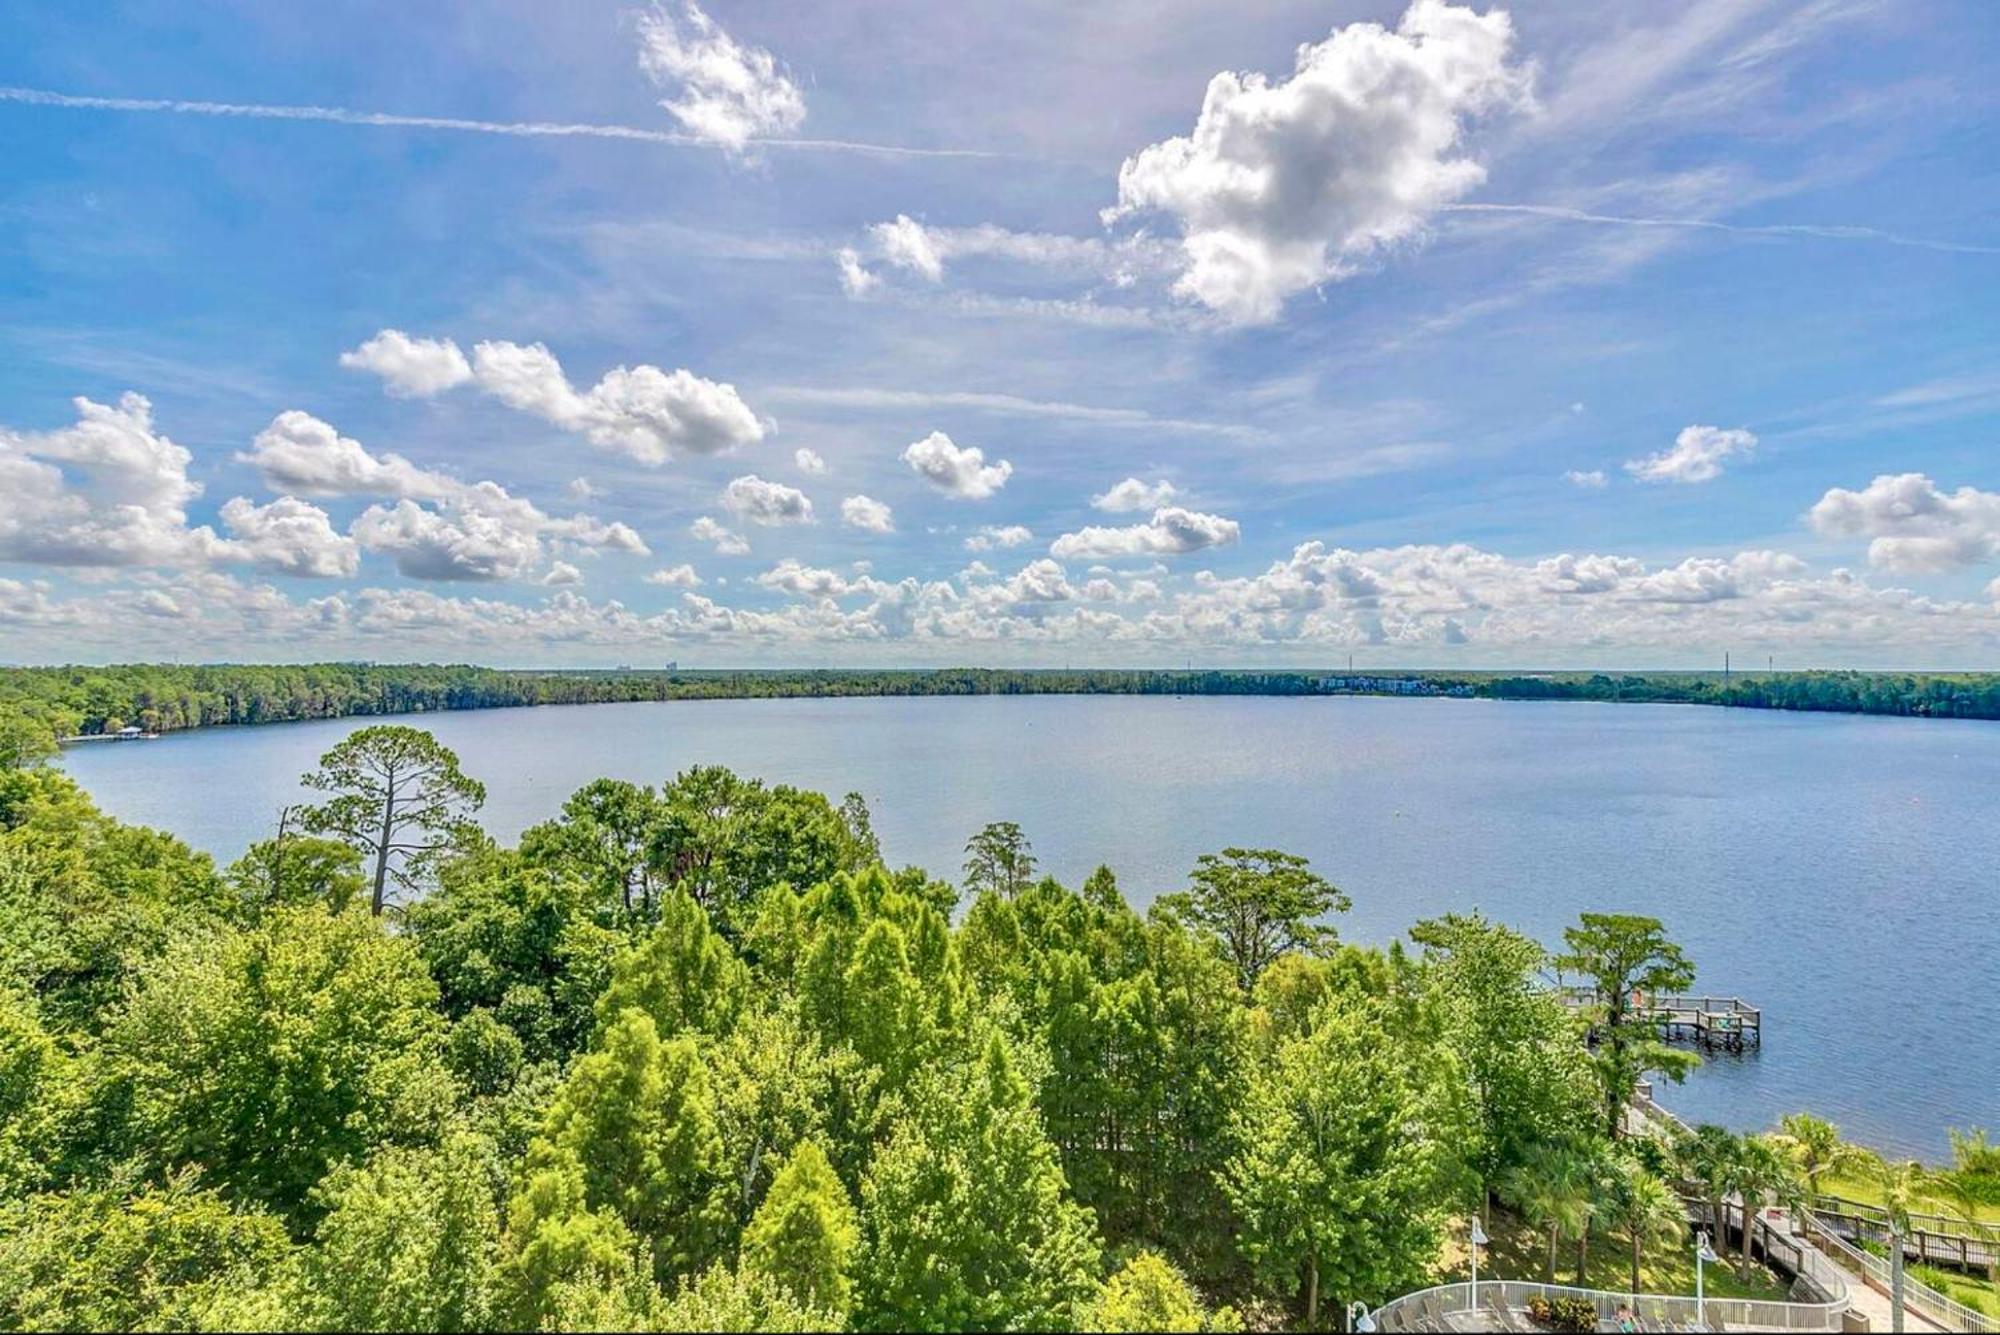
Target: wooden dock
{"x": 1727, "y": 1023}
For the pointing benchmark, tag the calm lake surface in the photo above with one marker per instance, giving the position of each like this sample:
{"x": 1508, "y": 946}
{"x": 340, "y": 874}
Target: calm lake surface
{"x": 1838, "y": 871}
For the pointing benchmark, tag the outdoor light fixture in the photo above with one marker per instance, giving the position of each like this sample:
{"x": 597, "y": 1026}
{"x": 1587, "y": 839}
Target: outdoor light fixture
{"x": 1358, "y": 1318}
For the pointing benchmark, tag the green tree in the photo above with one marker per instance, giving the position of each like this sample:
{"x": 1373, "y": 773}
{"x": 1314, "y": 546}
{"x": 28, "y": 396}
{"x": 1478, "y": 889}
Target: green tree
{"x": 1816, "y": 1147}
{"x": 25, "y": 741}
{"x": 271, "y": 1054}
{"x": 293, "y": 869}
{"x": 558, "y": 1245}
{"x": 408, "y": 1242}
{"x": 1646, "y": 1210}
{"x": 1552, "y": 1188}
{"x": 999, "y": 859}
{"x": 1630, "y": 962}
{"x": 682, "y": 974}
{"x": 1148, "y": 1294}
{"x": 398, "y": 797}
{"x": 637, "y": 1115}
{"x": 1527, "y": 1075}
{"x": 967, "y": 1222}
{"x": 1340, "y": 1171}
{"x": 1260, "y": 904}
{"x": 804, "y": 1237}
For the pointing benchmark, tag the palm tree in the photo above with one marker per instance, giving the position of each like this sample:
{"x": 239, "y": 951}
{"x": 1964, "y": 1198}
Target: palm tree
{"x": 1647, "y": 1209}
{"x": 1816, "y": 1147}
{"x": 1551, "y": 1189}
{"x": 1707, "y": 1159}
{"x": 1902, "y": 1185}
{"x": 1763, "y": 1173}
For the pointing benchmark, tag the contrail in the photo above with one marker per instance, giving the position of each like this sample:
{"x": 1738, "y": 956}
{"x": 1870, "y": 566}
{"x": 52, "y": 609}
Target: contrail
{"x": 522, "y": 129}
{"x": 1824, "y": 232}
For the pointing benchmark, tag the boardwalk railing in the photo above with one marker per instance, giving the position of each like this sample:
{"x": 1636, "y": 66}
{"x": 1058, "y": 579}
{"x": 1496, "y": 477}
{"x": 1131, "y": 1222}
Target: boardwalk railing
{"x": 1932, "y": 1237}
{"x": 1503, "y": 1305}
{"x": 1917, "y": 1297}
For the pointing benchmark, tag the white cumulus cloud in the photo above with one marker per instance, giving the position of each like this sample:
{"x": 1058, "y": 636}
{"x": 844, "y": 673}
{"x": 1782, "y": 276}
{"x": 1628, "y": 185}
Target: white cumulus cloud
{"x": 907, "y": 245}
{"x": 751, "y": 499}
{"x": 410, "y": 367}
{"x": 994, "y": 537}
{"x": 642, "y": 412}
{"x": 1285, "y": 185}
{"x": 960, "y": 472}
{"x": 809, "y": 462}
{"x": 681, "y": 576}
{"x": 1914, "y": 525}
{"x": 1698, "y": 455}
{"x": 724, "y": 91}
{"x": 1589, "y": 479}
{"x": 727, "y": 542}
{"x": 292, "y": 537}
{"x": 108, "y": 490}
{"x": 864, "y": 512}
{"x": 855, "y": 279}
{"x": 1132, "y": 494}
{"x": 1172, "y": 531}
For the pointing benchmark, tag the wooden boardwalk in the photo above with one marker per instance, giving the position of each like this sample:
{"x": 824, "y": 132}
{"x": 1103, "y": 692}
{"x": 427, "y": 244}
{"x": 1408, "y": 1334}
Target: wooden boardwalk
{"x": 1727, "y": 1023}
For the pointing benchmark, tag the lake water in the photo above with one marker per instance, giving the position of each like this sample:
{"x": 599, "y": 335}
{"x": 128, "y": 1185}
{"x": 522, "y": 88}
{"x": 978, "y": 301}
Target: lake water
{"x": 1838, "y": 871}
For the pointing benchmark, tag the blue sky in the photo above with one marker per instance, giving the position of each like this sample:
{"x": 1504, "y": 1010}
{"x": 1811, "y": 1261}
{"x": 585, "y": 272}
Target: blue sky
{"x": 1571, "y": 334}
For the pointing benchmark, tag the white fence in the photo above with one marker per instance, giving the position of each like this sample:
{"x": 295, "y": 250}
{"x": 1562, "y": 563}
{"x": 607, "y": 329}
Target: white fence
{"x": 1502, "y": 1304}
{"x": 1919, "y": 1298}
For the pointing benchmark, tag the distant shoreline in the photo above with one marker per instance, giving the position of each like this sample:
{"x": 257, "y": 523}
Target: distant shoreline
{"x": 84, "y": 703}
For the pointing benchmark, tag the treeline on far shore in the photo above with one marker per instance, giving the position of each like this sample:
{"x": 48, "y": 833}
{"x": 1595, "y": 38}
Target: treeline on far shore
{"x": 85, "y": 701}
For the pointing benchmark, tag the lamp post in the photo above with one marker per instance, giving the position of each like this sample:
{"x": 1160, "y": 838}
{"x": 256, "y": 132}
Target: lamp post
{"x": 1358, "y": 1318}
{"x": 1478, "y": 1239}
{"x": 1703, "y": 1253}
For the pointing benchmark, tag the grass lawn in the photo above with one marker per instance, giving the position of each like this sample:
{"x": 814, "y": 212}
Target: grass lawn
{"x": 1861, "y": 1189}
{"x": 1518, "y": 1252}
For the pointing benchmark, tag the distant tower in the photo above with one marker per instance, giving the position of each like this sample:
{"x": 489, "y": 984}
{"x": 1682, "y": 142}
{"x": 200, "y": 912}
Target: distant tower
{"x": 1725, "y": 667}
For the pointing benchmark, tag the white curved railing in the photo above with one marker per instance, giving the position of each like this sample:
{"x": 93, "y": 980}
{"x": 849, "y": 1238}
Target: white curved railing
{"x": 1502, "y": 1304}
{"x": 1918, "y": 1297}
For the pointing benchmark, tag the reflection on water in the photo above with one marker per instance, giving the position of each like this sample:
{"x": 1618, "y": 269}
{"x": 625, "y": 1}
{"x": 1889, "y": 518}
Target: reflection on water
{"x": 1836, "y": 871}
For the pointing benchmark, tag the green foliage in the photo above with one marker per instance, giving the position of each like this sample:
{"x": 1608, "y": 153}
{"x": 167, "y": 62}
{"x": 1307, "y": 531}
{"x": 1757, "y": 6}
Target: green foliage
{"x": 110, "y": 1258}
{"x": 25, "y": 740}
{"x": 1343, "y": 1154}
{"x": 804, "y": 1237}
{"x": 967, "y": 1222}
{"x": 1260, "y": 904}
{"x": 273, "y": 1053}
{"x": 408, "y": 1242}
{"x": 86, "y": 904}
{"x": 681, "y": 974}
{"x": 1528, "y": 1077}
{"x": 1148, "y": 1294}
{"x": 637, "y": 1118}
{"x": 39, "y": 1094}
{"x": 293, "y": 870}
